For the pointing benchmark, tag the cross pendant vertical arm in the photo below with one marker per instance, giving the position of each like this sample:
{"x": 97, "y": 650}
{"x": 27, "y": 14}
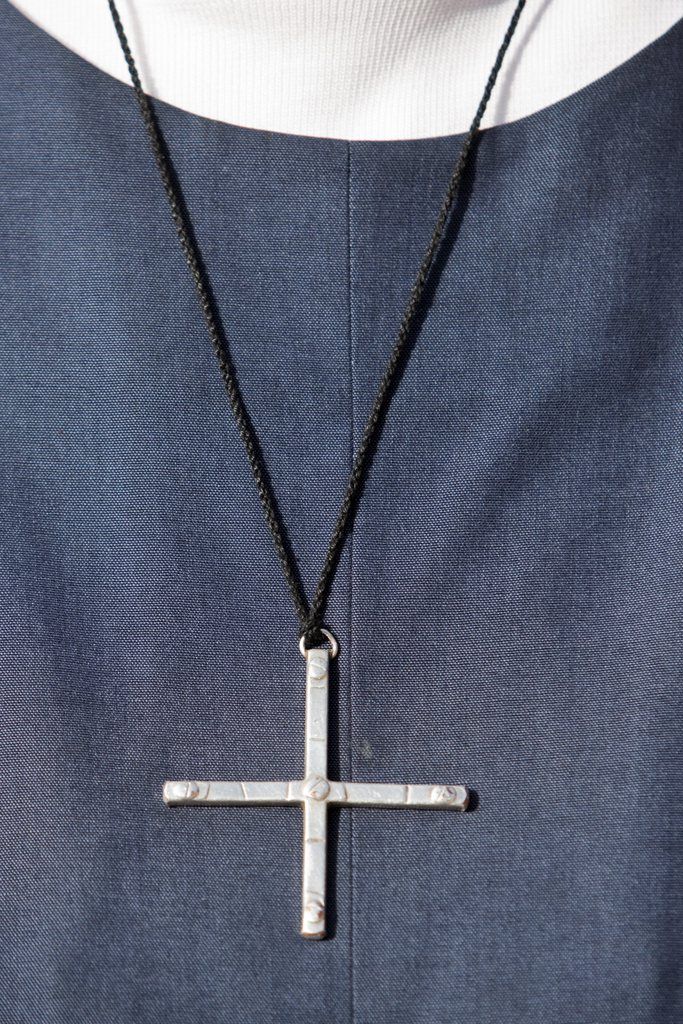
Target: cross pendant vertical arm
{"x": 316, "y": 789}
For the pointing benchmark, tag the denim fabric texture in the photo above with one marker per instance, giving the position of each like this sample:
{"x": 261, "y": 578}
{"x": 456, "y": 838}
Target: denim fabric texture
{"x": 509, "y": 610}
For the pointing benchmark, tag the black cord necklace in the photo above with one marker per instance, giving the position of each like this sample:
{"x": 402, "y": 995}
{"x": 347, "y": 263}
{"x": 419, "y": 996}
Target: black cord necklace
{"x": 310, "y": 615}
{"x": 315, "y": 792}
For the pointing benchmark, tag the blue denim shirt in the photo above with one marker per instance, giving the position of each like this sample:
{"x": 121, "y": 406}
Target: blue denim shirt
{"x": 509, "y": 609}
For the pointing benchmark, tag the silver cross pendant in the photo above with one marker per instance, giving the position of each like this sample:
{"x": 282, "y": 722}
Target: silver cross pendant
{"x": 315, "y": 793}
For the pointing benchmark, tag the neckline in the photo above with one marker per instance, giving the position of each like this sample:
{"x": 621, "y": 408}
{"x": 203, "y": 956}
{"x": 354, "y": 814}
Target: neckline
{"x": 505, "y": 106}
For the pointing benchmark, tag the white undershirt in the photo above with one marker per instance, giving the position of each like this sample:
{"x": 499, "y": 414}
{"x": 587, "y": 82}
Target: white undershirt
{"x": 357, "y": 69}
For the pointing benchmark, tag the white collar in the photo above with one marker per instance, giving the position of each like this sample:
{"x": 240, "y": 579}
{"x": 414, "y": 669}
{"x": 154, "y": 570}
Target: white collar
{"x": 357, "y": 69}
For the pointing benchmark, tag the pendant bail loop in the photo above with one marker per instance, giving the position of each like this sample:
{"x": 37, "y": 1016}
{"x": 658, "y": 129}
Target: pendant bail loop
{"x": 330, "y": 637}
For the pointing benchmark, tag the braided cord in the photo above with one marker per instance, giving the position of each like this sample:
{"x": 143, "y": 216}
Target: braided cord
{"x": 311, "y": 615}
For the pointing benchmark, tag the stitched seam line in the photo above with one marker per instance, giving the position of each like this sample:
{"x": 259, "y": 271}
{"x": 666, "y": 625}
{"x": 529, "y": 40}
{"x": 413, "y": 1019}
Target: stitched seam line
{"x": 352, "y": 448}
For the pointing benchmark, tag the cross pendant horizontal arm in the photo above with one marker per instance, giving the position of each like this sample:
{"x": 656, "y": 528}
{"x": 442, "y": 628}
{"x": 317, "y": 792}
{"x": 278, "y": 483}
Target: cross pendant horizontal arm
{"x": 314, "y": 793}
{"x": 351, "y": 794}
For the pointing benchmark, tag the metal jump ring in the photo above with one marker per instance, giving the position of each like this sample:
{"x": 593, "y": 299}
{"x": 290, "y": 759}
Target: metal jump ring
{"x": 331, "y": 639}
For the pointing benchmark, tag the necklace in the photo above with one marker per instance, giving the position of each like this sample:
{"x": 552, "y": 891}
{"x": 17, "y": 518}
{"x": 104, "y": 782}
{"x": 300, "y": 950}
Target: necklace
{"x": 317, "y": 644}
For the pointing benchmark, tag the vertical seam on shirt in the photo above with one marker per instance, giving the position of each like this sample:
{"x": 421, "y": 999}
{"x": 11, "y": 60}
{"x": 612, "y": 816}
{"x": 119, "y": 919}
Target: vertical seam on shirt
{"x": 352, "y": 445}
